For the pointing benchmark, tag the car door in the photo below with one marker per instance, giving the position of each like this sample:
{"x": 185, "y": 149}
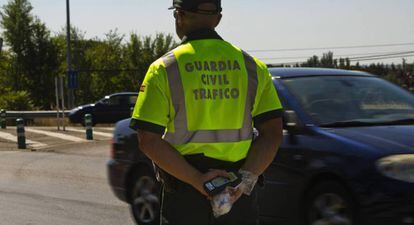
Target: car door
{"x": 278, "y": 199}
{"x": 120, "y": 108}
{"x": 283, "y": 180}
{"x": 100, "y": 110}
{"x": 125, "y": 106}
{"x": 109, "y": 110}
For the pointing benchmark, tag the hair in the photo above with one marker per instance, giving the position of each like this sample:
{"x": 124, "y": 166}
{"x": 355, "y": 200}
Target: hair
{"x": 198, "y": 21}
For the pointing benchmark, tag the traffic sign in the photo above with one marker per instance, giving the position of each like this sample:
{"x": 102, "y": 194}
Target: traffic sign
{"x": 73, "y": 81}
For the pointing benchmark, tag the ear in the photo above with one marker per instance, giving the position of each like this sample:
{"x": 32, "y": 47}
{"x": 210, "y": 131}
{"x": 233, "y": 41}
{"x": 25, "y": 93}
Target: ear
{"x": 180, "y": 16}
{"x": 219, "y": 16}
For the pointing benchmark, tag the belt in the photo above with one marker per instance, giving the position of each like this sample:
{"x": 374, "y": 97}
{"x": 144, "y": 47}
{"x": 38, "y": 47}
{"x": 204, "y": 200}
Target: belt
{"x": 201, "y": 163}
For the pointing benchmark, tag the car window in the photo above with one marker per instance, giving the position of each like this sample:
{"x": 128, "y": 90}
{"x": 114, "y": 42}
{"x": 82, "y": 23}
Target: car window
{"x": 132, "y": 99}
{"x": 331, "y": 99}
{"x": 115, "y": 100}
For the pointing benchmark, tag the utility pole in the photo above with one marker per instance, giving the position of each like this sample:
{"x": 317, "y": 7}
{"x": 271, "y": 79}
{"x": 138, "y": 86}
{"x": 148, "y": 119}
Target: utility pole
{"x": 1, "y": 44}
{"x": 71, "y": 96}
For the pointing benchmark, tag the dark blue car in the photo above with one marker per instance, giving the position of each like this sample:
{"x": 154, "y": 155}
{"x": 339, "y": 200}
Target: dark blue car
{"x": 347, "y": 156}
{"x": 110, "y": 109}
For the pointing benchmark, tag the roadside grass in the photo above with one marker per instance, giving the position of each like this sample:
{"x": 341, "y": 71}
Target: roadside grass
{"x": 48, "y": 122}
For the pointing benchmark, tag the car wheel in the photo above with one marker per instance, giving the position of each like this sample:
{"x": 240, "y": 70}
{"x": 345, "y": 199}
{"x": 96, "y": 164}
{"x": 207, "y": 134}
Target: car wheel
{"x": 329, "y": 203}
{"x": 145, "y": 205}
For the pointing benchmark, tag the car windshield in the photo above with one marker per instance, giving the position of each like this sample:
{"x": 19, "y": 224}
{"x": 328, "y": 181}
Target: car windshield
{"x": 340, "y": 101}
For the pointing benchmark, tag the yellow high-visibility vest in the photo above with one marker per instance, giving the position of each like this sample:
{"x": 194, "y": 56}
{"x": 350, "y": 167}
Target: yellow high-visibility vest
{"x": 206, "y": 93}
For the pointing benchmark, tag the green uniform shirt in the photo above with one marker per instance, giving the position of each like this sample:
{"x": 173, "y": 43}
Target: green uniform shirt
{"x": 215, "y": 88}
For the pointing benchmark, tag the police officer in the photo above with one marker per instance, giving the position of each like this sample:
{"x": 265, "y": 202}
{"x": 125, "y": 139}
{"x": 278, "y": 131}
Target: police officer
{"x": 195, "y": 115}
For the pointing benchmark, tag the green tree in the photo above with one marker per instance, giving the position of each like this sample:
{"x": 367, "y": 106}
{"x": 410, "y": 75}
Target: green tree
{"x": 112, "y": 64}
{"x": 5, "y": 69}
{"x": 327, "y": 60}
{"x": 312, "y": 62}
{"x": 401, "y": 74}
{"x": 16, "y": 20}
{"x": 43, "y": 67}
{"x": 35, "y": 57}
{"x": 35, "y": 54}
{"x": 142, "y": 51}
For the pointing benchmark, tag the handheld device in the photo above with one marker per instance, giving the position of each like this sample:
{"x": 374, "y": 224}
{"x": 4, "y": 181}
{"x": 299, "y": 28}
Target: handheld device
{"x": 218, "y": 184}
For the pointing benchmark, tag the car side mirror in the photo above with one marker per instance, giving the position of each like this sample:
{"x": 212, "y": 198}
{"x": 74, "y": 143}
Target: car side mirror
{"x": 291, "y": 122}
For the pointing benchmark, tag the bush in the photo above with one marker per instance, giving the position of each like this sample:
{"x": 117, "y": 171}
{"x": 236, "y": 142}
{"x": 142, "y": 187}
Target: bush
{"x": 16, "y": 101}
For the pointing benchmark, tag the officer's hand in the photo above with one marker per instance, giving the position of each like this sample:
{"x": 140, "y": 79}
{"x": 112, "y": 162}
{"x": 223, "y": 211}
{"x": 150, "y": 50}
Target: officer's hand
{"x": 235, "y": 193}
{"x": 211, "y": 174}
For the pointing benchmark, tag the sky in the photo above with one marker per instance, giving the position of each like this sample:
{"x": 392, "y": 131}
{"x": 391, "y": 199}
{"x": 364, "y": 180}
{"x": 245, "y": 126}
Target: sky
{"x": 259, "y": 24}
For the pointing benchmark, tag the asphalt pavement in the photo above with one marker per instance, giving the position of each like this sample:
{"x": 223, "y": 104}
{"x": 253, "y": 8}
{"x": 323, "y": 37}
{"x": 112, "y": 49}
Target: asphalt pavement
{"x": 65, "y": 185}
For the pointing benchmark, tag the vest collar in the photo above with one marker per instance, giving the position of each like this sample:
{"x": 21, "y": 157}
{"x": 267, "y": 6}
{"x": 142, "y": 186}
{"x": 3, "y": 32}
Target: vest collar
{"x": 200, "y": 35}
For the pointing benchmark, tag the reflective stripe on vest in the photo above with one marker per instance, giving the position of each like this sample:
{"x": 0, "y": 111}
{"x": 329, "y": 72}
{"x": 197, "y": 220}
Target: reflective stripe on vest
{"x": 182, "y": 135}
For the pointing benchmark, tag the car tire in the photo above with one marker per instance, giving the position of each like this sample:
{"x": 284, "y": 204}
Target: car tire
{"x": 329, "y": 203}
{"x": 145, "y": 202}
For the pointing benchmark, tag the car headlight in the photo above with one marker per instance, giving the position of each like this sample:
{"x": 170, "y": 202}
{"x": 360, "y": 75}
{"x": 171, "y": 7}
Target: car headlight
{"x": 400, "y": 167}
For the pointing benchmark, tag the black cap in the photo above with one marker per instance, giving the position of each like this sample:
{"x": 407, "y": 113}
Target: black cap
{"x": 195, "y": 6}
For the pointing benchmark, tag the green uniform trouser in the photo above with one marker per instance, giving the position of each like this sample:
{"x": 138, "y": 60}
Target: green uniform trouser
{"x": 184, "y": 205}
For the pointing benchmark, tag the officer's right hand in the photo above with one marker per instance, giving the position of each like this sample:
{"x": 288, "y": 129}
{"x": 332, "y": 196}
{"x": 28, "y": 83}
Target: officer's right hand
{"x": 211, "y": 174}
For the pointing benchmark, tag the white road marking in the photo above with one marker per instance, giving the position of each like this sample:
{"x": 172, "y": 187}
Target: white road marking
{"x": 106, "y": 128}
{"x": 56, "y": 135}
{"x": 33, "y": 144}
{"x": 94, "y": 132}
{"x": 36, "y": 144}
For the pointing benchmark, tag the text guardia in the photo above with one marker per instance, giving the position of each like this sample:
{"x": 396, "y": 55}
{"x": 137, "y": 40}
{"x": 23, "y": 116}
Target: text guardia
{"x": 212, "y": 83}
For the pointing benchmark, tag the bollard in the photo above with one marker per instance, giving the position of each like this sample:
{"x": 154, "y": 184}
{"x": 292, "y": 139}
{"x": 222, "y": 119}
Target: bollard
{"x": 21, "y": 138}
{"x": 3, "y": 119}
{"x": 88, "y": 126}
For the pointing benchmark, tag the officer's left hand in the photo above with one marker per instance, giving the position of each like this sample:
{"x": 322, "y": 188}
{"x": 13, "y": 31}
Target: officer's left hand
{"x": 211, "y": 174}
{"x": 235, "y": 193}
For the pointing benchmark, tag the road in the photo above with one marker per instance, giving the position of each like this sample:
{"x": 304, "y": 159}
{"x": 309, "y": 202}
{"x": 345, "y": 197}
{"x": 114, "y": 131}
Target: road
{"x": 67, "y": 186}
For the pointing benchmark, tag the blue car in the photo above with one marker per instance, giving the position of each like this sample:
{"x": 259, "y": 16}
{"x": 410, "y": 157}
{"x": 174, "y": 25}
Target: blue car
{"x": 347, "y": 156}
{"x": 110, "y": 109}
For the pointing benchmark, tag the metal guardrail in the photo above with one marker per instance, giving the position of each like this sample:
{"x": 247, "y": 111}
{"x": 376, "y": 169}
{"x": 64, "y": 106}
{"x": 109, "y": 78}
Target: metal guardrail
{"x": 32, "y": 114}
